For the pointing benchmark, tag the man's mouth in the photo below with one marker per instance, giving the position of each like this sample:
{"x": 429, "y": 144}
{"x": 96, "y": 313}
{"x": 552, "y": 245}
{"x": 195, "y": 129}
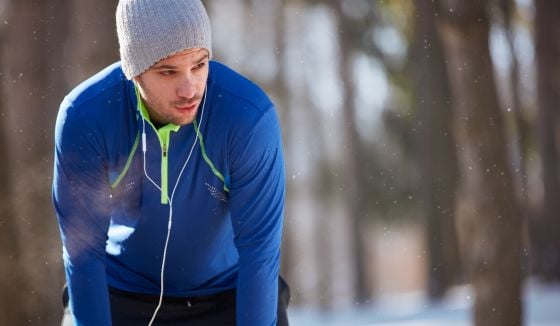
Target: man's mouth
{"x": 187, "y": 107}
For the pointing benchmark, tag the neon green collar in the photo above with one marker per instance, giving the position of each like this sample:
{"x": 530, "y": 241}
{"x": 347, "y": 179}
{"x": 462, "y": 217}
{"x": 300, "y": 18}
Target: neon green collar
{"x": 163, "y": 134}
{"x": 146, "y": 115}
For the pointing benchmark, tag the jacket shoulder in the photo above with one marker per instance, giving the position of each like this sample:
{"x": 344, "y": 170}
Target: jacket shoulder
{"x": 103, "y": 85}
{"x": 98, "y": 107}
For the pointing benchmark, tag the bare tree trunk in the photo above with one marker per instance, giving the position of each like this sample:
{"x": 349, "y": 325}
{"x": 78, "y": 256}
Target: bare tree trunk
{"x": 56, "y": 43}
{"x": 438, "y": 160}
{"x": 11, "y": 280}
{"x": 93, "y": 38}
{"x": 355, "y": 186}
{"x": 30, "y": 120}
{"x": 547, "y": 228}
{"x": 487, "y": 213}
{"x": 323, "y": 191}
{"x": 520, "y": 130}
{"x": 520, "y": 126}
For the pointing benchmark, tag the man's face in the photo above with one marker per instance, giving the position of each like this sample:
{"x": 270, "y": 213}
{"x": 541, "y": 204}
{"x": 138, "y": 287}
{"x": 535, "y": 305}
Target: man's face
{"x": 172, "y": 89}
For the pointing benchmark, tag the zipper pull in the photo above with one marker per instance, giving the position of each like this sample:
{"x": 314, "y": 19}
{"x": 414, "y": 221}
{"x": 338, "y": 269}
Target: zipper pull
{"x": 164, "y": 149}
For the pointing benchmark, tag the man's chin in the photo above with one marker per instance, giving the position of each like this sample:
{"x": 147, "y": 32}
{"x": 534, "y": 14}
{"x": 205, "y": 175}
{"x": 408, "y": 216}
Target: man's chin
{"x": 186, "y": 121}
{"x": 187, "y": 116}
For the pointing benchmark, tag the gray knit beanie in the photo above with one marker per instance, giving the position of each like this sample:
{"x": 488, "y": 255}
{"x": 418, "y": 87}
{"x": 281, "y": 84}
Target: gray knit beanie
{"x": 152, "y": 30}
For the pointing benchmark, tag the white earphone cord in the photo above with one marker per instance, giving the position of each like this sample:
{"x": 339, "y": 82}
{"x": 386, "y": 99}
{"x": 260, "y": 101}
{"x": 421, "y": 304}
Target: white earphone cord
{"x": 170, "y": 200}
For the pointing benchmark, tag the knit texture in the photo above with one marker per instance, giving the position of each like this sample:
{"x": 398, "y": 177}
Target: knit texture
{"x": 150, "y": 31}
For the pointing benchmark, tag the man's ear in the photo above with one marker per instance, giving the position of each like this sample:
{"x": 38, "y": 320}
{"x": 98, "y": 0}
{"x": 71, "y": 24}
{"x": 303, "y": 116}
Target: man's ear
{"x": 138, "y": 82}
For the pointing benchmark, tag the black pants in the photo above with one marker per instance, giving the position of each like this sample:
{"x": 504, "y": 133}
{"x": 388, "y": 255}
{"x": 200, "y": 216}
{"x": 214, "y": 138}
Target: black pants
{"x": 130, "y": 309}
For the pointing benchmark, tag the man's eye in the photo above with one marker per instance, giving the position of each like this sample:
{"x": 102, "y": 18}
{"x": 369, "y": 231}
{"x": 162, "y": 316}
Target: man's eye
{"x": 199, "y": 66}
{"x": 167, "y": 72}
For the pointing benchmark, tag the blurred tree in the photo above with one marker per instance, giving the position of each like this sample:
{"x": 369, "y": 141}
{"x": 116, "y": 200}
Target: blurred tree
{"x": 56, "y": 39}
{"x": 11, "y": 281}
{"x": 546, "y": 228}
{"x": 355, "y": 186}
{"x": 436, "y": 151}
{"x": 30, "y": 113}
{"x": 93, "y": 38}
{"x": 520, "y": 129}
{"x": 487, "y": 212}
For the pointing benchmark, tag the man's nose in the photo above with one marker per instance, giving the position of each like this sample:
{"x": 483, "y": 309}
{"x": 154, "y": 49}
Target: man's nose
{"x": 186, "y": 87}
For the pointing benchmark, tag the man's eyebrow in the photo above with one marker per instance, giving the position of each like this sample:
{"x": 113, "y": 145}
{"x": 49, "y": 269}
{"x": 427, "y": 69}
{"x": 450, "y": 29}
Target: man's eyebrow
{"x": 169, "y": 67}
{"x": 206, "y": 56}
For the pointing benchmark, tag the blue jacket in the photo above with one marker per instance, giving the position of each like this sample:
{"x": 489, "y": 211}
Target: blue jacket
{"x": 227, "y": 207}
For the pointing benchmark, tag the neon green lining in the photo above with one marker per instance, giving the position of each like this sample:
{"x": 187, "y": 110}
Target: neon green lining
{"x": 163, "y": 136}
{"x": 128, "y": 161}
{"x": 205, "y": 156}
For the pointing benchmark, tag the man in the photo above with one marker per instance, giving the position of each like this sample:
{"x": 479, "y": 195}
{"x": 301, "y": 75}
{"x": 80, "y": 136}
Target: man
{"x": 169, "y": 182}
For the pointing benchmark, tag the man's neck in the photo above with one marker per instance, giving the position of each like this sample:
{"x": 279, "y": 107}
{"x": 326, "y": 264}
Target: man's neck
{"x": 157, "y": 124}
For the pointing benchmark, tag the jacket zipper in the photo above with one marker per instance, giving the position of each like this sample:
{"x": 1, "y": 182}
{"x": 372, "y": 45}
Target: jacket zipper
{"x": 163, "y": 135}
{"x": 164, "y": 166}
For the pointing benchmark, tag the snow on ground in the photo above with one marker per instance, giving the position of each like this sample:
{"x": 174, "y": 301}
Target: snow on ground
{"x": 541, "y": 305}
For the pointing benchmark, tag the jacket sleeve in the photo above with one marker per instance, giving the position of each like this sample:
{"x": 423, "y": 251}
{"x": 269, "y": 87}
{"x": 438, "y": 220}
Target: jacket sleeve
{"x": 81, "y": 200}
{"x": 257, "y": 187}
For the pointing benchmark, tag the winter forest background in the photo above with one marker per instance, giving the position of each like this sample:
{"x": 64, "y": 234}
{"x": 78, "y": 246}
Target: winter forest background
{"x": 422, "y": 140}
